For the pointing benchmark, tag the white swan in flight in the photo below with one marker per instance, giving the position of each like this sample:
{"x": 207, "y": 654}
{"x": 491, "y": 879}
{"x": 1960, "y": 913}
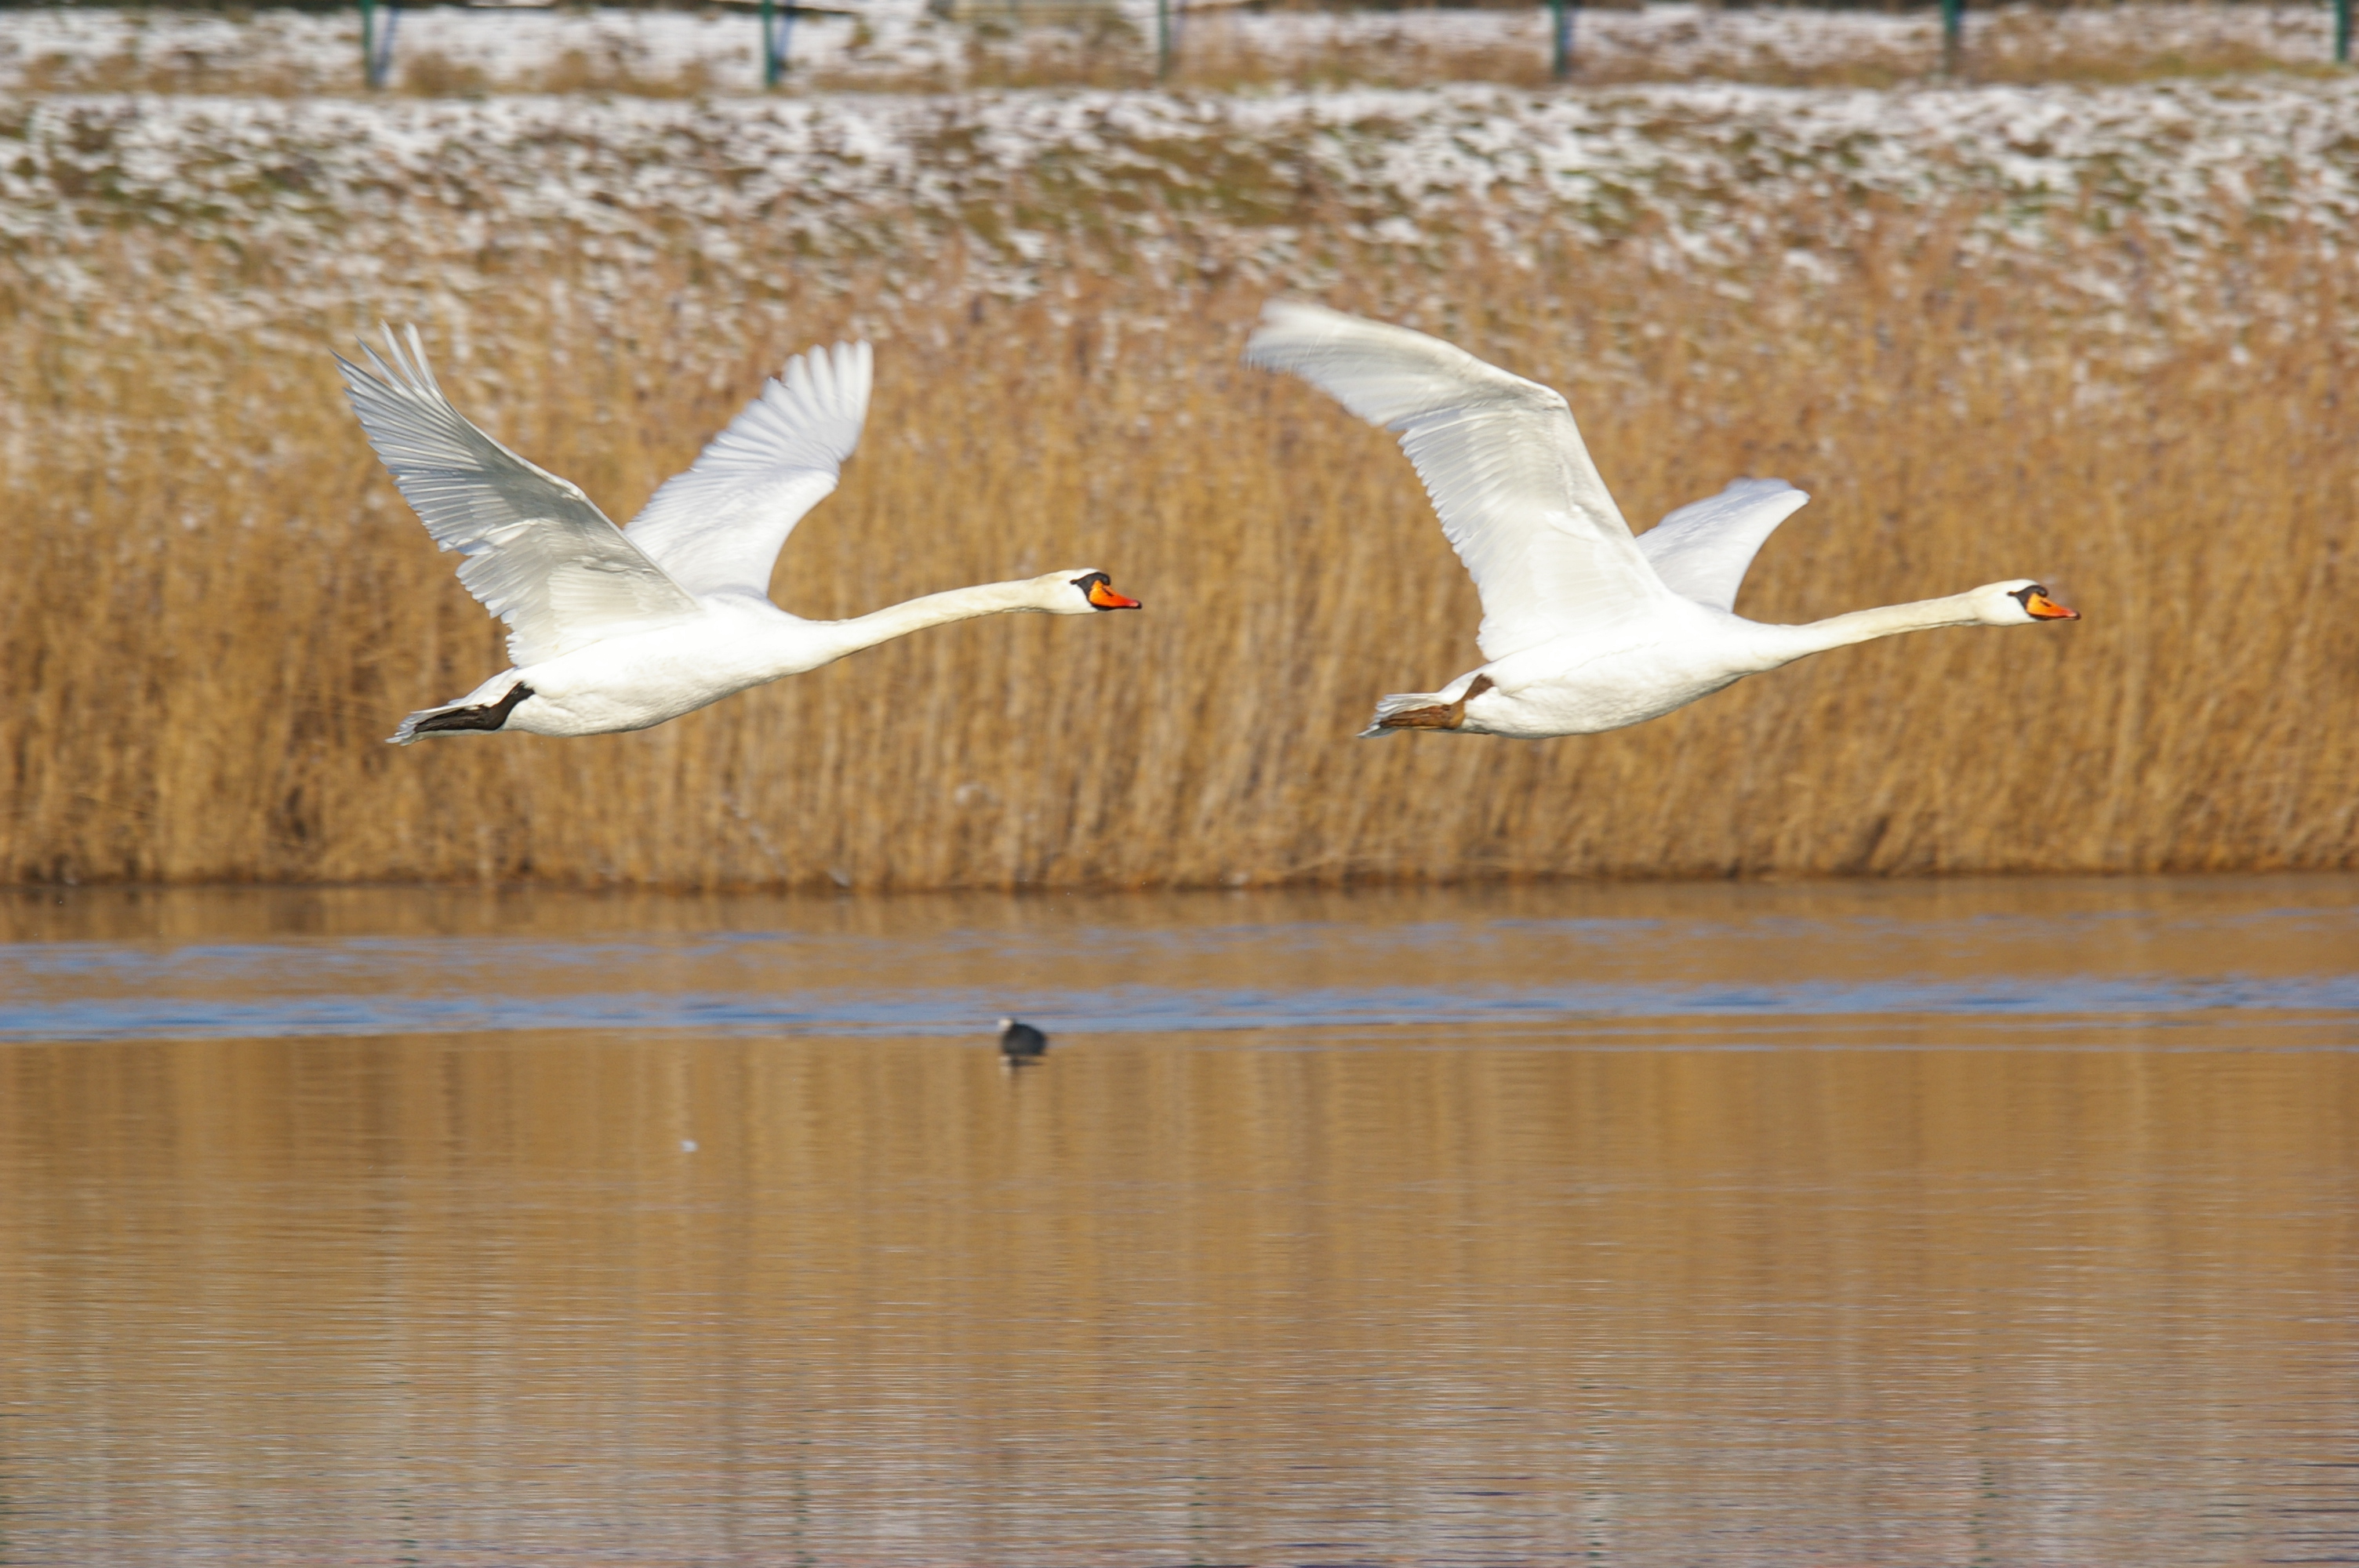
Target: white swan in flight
{"x": 1585, "y": 628}
{"x": 614, "y": 628}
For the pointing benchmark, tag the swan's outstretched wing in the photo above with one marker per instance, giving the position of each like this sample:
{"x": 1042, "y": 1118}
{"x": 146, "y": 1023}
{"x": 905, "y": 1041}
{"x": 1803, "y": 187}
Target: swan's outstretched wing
{"x": 1503, "y": 460}
{"x": 1701, "y": 550}
{"x": 539, "y": 556}
{"x": 720, "y": 526}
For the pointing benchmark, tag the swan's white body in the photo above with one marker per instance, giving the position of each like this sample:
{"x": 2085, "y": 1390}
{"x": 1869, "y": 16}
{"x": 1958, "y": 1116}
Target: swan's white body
{"x": 637, "y": 679}
{"x": 1586, "y": 627}
{"x": 621, "y": 629}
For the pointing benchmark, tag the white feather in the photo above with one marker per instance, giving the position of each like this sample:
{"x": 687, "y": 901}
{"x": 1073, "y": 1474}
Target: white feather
{"x": 1702, "y": 550}
{"x": 1585, "y": 628}
{"x": 1518, "y": 496}
{"x": 615, "y": 631}
{"x": 539, "y": 555}
{"x": 719, "y": 528}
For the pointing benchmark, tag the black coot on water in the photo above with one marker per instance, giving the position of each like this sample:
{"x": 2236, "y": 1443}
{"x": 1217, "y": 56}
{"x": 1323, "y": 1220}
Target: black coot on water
{"x": 1021, "y": 1043}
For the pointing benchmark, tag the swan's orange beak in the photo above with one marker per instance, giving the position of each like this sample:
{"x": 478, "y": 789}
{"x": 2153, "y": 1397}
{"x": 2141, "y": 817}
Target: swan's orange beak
{"x": 1106, "y": 598}
{"x": 2043, "y": 607}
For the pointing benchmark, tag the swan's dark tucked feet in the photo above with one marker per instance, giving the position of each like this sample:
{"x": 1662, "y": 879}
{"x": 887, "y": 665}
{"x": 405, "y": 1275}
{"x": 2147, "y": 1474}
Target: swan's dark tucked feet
{"x": 481, "y": 716}
{"x": 1433, "y": 716}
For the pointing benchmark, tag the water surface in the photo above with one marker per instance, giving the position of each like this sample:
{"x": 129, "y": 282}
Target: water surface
{"x": 1985, "y": 1222}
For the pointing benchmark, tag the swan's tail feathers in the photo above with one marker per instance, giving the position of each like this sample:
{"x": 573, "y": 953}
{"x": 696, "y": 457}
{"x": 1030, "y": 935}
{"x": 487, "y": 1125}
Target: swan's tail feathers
{"x": 421, "y": 724}
{"x": 1423, "y": 709}
{"x": 459, "y": 717}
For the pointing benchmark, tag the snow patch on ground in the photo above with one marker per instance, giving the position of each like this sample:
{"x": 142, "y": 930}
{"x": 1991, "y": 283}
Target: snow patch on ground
{"x": 2162, "y": 154}
{"x": 2133, "y": 198}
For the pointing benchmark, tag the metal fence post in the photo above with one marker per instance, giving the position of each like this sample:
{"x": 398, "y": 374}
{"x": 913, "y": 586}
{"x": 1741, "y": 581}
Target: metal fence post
{"x": 1162, "y": 40}
{"x": 2343, "y": 32}
{"x": 376, "y": 48}
{"x": 1561, "y": 31}
{"x": 1953, "y": 23}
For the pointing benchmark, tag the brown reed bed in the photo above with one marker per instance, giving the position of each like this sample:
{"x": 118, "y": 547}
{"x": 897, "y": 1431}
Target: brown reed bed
{"x": 217, "y": 605}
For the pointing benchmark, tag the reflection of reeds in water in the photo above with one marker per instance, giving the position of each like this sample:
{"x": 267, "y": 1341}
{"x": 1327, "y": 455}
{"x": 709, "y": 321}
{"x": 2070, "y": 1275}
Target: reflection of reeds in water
{"x": 1661, "y": 1279}
{"x": 217, "y": 605}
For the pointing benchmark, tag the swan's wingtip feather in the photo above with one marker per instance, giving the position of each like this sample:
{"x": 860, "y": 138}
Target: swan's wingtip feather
{"x": 400, "y": 367}
{"x": 830, "y": 377}
{"x": 1764, "y": 484}
{"x": 356, "y": 381}
{"x": 1281, "y": 312}
{"x": 380, "y": 371}
{"x": 1283, "y": 324}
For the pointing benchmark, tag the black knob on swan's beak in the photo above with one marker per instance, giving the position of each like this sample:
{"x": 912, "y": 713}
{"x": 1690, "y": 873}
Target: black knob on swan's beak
{"x": 1098, "y": 588}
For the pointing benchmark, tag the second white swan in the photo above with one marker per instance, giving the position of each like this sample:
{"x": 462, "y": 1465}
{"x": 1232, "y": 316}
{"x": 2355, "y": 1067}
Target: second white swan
{"x": 614, "y": 628}
{"x": 1585, "y": 627}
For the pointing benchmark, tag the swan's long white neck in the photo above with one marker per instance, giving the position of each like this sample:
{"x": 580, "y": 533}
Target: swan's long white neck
{"x": 1786, "y": 643}
{"x": 842, "y": 637}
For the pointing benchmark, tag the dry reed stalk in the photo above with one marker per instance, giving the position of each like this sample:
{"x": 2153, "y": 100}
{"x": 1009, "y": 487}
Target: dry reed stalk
{"x": 218, "y": 605}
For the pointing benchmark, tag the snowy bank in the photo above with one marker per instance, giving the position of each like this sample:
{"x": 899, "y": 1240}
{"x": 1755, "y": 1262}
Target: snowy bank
{"x": 899, "y": 43}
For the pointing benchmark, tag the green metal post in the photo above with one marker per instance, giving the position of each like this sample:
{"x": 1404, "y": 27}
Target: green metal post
{"x": 378, "y": 20}
{"x": 2343, "y": 32}
{"x": 1162, "y": 40}
{"x": 1953, "y": 22}
{"x": 1560, "y": 36}
{"x": 770, "y": 44}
